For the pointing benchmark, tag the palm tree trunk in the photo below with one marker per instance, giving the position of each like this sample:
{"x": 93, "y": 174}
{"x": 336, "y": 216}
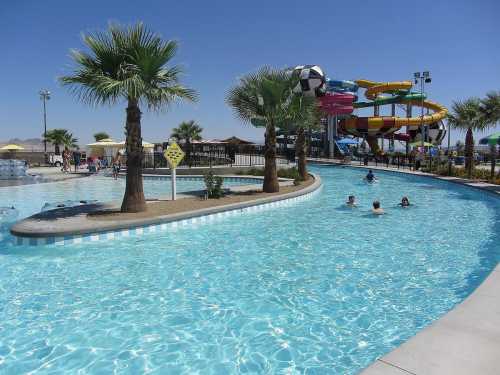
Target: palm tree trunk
{"x": 271, "y": 184}
{"x": 57, "y": 149}
{"x": 133, "y": 200}
{"x": 300, "y": 147}
{"x": 469, "y": 152}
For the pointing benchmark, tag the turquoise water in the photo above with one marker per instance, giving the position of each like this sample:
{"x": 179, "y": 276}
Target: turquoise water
{"x": 312, "y": 288}
{"x": 103, "y": 189}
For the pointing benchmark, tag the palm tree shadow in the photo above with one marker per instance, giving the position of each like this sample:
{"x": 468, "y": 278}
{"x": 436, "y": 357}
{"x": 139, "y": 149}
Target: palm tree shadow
{"x": 66, "y": 212}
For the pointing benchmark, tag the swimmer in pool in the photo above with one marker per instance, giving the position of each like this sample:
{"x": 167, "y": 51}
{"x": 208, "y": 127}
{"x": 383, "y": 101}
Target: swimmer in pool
{"x": 405, "y": 202}
{"x": 370, "y": 177}
{"x": 351, "y": 201}
{"x": 377, "y": 210}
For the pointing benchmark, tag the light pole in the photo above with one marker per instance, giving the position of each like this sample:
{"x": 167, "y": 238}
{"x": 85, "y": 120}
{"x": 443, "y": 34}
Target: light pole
{"x": 422, "y": 78}
{"x": 44, "y": 96}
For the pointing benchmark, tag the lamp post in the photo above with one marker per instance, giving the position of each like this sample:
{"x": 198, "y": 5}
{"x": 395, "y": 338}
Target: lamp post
{"x": 422, "y": 78}
{"x": 44, "y": 96}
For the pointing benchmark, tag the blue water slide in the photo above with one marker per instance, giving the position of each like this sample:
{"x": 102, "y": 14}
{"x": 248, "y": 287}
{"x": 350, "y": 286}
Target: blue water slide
{"x": 341, "y": 85}
{"x": 342, "y": 147}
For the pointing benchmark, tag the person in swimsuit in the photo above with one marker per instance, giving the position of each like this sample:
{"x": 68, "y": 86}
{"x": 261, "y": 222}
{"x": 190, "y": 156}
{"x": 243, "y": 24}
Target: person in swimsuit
{"x": 405, "y": 202}
{"x": 370, "y": 177}
{"x": 377, "y": 210}
{"x": 351, "y": 201}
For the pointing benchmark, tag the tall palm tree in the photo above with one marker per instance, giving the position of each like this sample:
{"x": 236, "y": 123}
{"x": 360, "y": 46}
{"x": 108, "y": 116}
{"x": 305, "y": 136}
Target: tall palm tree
{"x": 466, "y": 115}
{"x": 304, "y": 116}
{"x": 58, "y": 137}
{"x": 128, "y": 64}
{"x": 490, "y": 110}
{"x": 310, "y": 123}
{"x": 264, "y": 96}
{"x": 100, "y": 135}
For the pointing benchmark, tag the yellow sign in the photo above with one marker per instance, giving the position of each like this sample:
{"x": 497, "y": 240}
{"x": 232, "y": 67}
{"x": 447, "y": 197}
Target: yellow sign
{"x": 174, "y": 155}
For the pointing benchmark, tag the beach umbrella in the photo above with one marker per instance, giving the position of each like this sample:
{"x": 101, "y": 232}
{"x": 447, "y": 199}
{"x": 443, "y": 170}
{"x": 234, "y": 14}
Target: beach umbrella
{"x": 11, "y": 147}
{"x": 144, "y": 144}
{"x": 347, "y": 141}
{"x": 493, "y": 139}
{"x": 107, "y": 142}
{"x": 419, "y": 144}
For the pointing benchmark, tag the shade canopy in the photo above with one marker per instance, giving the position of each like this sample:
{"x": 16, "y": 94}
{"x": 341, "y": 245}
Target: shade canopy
{"x": 106, "y": 142}
{"x": 419, "y": 144}
{"x": 144, "y": 144}
{"x": 347, "y": 141}
{"x": 493, "y": 139}
{"x": 11, "y": 147}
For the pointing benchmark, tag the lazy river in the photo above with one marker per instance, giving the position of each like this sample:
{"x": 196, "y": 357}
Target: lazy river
{"x": 310, "y": 288}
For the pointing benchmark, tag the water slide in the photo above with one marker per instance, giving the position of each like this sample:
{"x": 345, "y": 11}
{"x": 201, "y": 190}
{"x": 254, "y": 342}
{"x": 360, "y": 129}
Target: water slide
{"x": 380, "y": 126}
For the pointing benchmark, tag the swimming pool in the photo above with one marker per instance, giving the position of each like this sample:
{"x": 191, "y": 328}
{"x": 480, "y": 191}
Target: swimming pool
{"x": 311, "y": 288}
{"x": 103, "y": 189}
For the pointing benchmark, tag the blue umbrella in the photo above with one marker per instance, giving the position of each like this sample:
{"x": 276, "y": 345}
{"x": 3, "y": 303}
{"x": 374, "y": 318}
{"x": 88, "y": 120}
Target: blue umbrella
{"x": 347, "y": 141}
{"x": 493, "y": 139}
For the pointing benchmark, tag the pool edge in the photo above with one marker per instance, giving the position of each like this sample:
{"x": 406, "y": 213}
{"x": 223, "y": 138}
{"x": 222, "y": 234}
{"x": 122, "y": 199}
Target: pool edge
{"x": 142, "y": 226}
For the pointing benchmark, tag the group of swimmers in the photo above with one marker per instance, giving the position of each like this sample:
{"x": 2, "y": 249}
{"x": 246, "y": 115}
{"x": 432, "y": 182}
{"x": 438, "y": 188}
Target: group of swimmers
{"x": 376, "y": 209}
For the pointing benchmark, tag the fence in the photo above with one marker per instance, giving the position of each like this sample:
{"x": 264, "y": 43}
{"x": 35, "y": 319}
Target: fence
{"x": 202, "y": 155}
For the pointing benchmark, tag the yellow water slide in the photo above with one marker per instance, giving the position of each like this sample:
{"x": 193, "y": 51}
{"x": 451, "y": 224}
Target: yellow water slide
{"x": 374, "y": 89}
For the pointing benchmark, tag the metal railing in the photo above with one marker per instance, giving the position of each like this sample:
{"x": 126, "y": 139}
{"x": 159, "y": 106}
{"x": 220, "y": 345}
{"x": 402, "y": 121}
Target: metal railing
{"x": 199, "y": 155}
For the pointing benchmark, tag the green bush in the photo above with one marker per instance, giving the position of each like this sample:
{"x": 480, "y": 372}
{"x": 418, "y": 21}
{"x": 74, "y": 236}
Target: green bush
{"x": 214, "y": 185}
{"x": 441, "y": 169}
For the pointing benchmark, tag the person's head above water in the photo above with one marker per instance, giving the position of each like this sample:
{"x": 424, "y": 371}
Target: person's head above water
{"x": 405, "y": 201}
{"x": 376, "y": 205}
{"x": 351, "y": 199}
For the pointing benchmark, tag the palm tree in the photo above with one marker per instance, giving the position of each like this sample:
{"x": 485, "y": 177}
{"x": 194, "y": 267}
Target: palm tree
{"x": 305, "y": 116}
{"x": 128, "y": 64}
{"x": 69, "y": 141}
{"x": 263, "y": 97}
{"x": 311, "y": 122}
{"x": 58, "y": 137}
{"x": 186, "y": 132}
{"x": 490, "y": 110}
{"x": 466, "y": 115}
{"x": 100, "y": 136}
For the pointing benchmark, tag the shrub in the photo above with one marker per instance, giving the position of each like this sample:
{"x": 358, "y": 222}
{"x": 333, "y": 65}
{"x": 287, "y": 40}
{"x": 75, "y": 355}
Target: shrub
{"x": 214, "y": 185}
{"x": 441, "y": 169}
{"x": 291, "y": 173}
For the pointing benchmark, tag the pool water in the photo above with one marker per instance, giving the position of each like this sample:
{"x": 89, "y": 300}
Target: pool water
{"x": 103, "y": 189}
{"x": 311, "y": 288}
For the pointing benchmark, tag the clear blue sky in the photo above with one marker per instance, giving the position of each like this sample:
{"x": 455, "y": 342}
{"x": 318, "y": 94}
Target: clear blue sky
{"x": 457, "y": 40}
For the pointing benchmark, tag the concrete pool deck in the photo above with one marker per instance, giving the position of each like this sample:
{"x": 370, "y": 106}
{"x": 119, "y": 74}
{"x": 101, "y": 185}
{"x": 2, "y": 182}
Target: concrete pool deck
{"x": 466, "y": 340}
{"x": 75, "y": 221}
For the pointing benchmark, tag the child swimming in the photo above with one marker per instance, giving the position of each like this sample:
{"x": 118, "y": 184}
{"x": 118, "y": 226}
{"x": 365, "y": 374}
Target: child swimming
{"x": 405, "y": 202}
{"x": 351, "y": 201}
{"x": 377, "y": 210}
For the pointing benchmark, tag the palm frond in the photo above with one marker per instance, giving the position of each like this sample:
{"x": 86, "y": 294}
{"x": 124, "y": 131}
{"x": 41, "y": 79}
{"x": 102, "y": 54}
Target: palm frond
{"x": 127, "y": 63}
{"x": 264, "y": 94}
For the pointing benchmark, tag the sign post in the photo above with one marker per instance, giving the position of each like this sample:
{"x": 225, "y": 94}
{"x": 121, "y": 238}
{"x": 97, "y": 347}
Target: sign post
{"x": 174, "y": 156}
